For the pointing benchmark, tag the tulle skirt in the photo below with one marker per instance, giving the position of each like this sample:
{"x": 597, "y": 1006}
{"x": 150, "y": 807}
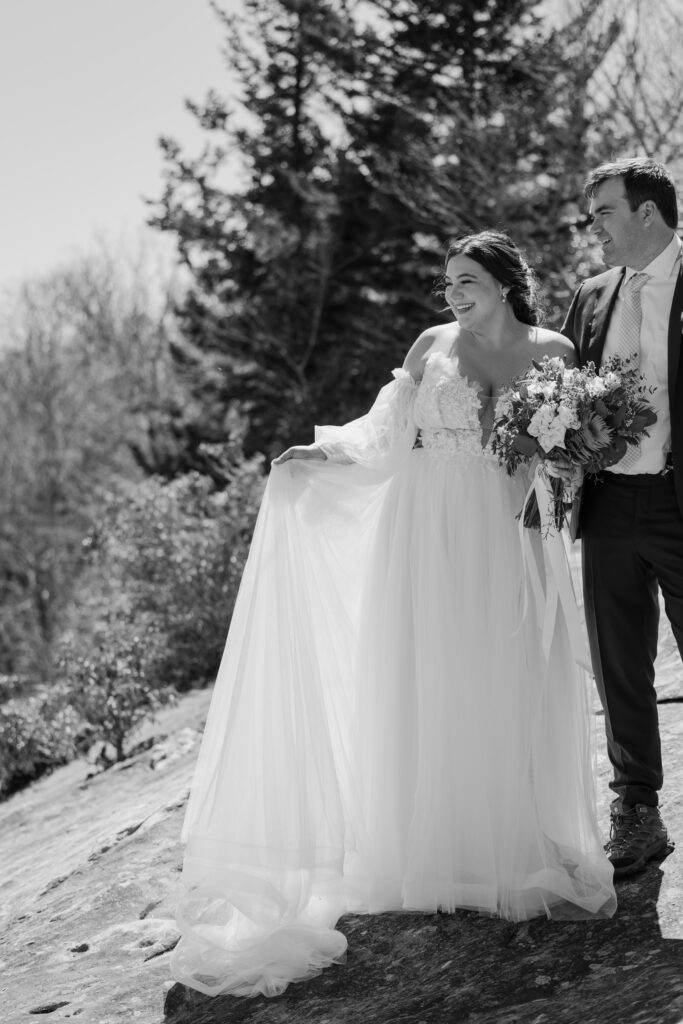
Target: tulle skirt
{"x": 386, "y": 730}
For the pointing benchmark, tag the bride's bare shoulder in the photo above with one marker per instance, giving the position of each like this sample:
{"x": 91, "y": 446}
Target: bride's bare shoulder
{"x": 552, "y": 343}
{"x": 435, "y": 339}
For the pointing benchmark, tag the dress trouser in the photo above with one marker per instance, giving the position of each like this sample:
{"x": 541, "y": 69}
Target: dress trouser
{"x": 632, "y": 534}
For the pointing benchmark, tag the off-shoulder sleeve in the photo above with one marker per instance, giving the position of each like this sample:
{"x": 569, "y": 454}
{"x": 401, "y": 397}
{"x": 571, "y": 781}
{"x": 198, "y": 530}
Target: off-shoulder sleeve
{"x": 381, "y": 437}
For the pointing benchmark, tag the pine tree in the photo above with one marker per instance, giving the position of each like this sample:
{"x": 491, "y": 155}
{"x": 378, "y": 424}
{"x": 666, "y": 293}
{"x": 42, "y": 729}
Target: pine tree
{"x": 367, "y": 145}
{"x": 262, "y": 258}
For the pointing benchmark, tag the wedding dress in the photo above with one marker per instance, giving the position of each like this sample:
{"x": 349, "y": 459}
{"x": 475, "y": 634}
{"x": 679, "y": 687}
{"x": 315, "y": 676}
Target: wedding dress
{"x": 387, "y": 730}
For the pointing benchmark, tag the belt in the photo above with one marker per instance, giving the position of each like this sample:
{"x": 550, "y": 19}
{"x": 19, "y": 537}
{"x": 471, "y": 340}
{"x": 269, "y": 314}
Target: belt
{"x": 638, "y": 479}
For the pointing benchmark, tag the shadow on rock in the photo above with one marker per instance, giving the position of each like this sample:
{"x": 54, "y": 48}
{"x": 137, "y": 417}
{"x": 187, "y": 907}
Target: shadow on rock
{"x": 423, "y": 969}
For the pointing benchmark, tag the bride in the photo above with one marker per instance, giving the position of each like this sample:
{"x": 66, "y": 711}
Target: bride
{"x": 388, "y": 730}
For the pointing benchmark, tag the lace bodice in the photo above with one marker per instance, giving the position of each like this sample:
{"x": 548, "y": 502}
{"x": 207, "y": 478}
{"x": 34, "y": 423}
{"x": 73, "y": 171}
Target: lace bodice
{"x": 445, "y": 398}
{"x": 444, "y": 409}
{"x": 447, "y": 412}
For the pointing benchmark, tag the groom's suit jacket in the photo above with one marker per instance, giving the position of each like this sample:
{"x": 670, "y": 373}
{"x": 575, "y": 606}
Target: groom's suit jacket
{"x": 586, "y": 325}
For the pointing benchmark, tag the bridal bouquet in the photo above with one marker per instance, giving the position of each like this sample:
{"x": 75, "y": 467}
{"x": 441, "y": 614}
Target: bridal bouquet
{"x": 578, "y": 419}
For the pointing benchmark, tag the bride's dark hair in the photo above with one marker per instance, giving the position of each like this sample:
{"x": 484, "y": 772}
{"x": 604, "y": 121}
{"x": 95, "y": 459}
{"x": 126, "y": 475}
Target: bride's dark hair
{"x": 497, "y": 253}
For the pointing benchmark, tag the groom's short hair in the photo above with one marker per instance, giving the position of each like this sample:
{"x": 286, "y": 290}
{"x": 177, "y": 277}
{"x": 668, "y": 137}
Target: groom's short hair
{"x": 644, "y": 179}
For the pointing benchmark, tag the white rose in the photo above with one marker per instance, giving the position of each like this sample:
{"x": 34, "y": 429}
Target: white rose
{"x": 568, "y": 417}
{"x": 597, "y": 386}
{"x": 548, "y": 427}
{"x": 553, "y": 436}
{"x": 537, "y": 422}
{"x": 541, "y": 420}
{"x": 539, "y": 388}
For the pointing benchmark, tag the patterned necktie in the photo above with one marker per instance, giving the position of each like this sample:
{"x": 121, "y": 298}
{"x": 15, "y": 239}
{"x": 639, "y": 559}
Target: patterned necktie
{"x": 628, "y": 345}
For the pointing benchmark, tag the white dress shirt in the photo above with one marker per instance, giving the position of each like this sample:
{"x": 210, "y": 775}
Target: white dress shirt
{"x": 656, "y": 297}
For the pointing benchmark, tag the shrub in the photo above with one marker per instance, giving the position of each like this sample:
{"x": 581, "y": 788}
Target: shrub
{"x": 37, "y": 733}
{"x": 150, "y": 617}
{"x": 13, "y": 686}
{"x": 168, "y": 558}
{"x": 109, "y": 688}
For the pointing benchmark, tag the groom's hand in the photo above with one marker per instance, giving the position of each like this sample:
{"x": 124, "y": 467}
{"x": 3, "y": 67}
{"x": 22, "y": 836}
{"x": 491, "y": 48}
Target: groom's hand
{"x": 571, "y": 477}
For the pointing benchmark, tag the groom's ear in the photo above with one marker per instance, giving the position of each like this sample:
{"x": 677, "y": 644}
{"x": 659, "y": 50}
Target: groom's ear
{"x": 648, "y": 212}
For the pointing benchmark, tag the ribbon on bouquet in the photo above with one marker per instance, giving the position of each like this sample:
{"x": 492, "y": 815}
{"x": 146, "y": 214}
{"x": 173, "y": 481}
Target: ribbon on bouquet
{"x": 558, "y": 591}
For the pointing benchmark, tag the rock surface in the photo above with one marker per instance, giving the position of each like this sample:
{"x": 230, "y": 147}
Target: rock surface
{"x": 88, "y": 875}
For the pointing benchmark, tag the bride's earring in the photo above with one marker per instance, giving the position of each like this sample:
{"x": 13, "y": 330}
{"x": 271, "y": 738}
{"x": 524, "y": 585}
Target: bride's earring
{"x": 503, "y": 296}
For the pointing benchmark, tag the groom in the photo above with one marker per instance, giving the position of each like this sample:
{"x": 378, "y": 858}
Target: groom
{"x": 631, "y": 518}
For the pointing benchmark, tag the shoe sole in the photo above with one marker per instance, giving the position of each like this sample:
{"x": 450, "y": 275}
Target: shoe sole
{"x": 641, "y": 864}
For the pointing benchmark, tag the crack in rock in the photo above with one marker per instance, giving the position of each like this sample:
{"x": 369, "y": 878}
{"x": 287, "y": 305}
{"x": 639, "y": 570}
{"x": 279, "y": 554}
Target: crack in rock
{"x": 54, "y": 883}
{"x": 49, "y": 1007}
{"x": 163, "y": 947}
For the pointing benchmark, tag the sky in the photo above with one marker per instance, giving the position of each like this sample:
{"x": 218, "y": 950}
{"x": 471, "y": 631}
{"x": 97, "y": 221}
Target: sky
{"x": 87, "y": 87}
